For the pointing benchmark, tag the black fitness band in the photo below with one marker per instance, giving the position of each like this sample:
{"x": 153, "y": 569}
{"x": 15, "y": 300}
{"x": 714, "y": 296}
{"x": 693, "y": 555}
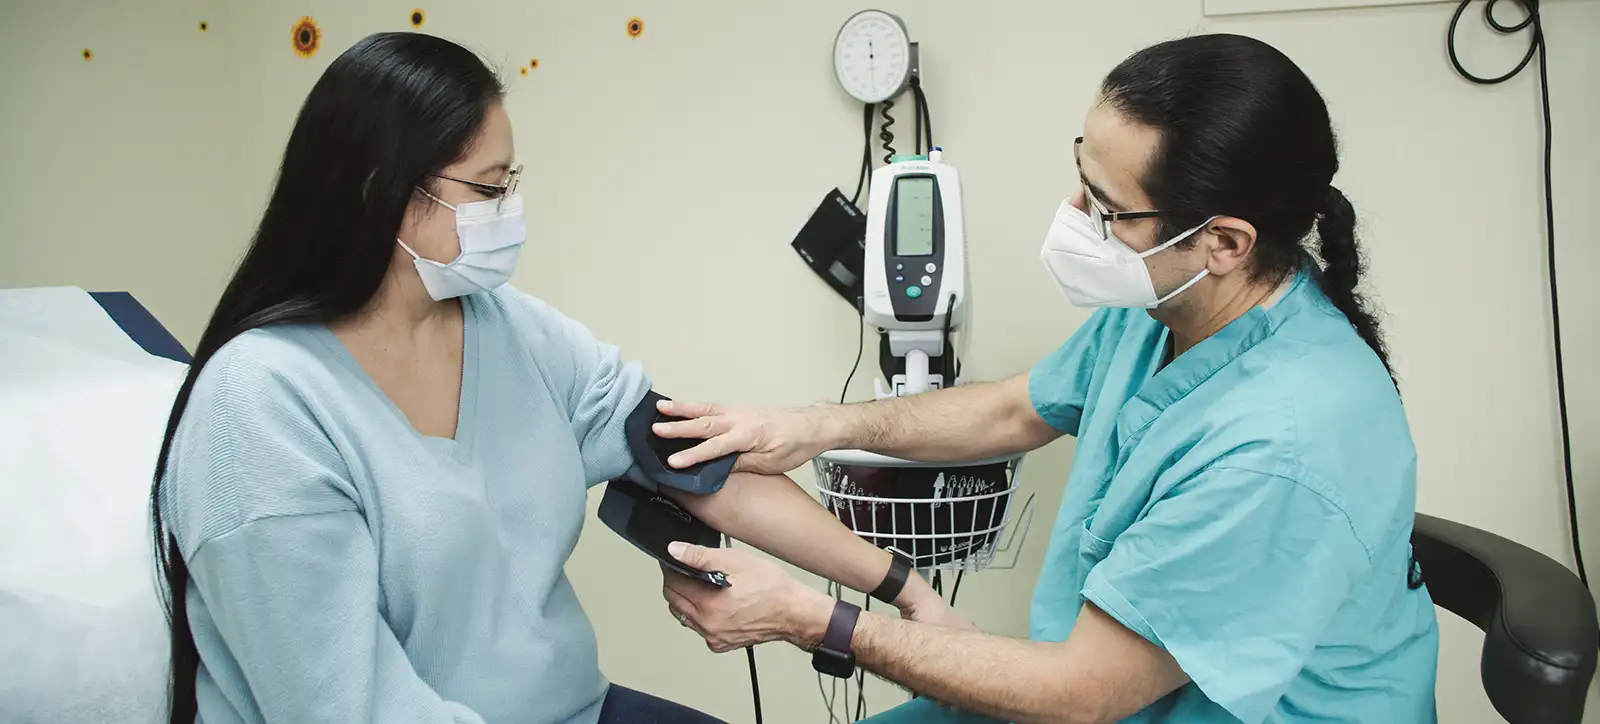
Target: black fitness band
{"x": 895, "y": 580}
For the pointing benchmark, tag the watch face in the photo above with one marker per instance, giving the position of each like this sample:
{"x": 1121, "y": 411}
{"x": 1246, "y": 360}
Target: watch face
{"x": 833, "y": 663}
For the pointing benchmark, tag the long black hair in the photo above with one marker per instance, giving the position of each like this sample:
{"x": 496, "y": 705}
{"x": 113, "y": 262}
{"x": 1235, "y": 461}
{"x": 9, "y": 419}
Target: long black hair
{"x": 386, "y": 113}
{"x": 1245, "y": 133}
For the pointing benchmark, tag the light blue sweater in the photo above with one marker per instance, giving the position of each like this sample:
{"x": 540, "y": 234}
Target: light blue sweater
{"x": 348, "y": 569}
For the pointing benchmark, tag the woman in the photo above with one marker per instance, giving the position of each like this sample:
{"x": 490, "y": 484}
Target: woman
{"x": 1233, "y": 541}
{"x": 377, "y": 466}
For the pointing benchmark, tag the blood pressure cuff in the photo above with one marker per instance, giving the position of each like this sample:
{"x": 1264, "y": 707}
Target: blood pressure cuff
{"x": 651, "y": 522}
{"x": 650, "y": 453}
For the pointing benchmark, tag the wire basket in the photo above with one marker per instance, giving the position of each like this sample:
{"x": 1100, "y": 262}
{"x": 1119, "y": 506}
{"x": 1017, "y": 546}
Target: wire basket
{"x": 947, "y": 516}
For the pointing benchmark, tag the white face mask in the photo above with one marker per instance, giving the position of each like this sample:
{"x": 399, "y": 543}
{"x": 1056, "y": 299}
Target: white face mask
{"x": 1103, "y": 272}
{"x": 492, "y": 234}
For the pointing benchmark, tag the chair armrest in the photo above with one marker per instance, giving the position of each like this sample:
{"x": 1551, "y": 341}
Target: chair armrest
{"x": 1541, "y": 637}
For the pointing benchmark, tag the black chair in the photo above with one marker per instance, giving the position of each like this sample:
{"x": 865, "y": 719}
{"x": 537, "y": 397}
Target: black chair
{"x": 1541, "y": 636}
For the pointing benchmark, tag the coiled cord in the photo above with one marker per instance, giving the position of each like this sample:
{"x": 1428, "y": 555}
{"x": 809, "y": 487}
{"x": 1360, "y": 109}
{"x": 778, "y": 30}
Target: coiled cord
{"x": 886, "y": 135}
{"x": 1536, "y": 45}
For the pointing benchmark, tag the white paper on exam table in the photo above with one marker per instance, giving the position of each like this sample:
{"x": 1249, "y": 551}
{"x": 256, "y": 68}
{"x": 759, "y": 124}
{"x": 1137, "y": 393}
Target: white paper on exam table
{"x": 82, "y": 412}
{"x": 57, "y": 334}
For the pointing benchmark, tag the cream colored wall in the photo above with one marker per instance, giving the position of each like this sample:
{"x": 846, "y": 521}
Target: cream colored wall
{"x": 111, "y": 169}
{"x": 668, "y": 173}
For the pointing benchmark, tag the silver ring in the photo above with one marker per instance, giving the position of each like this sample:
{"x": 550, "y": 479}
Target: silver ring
{"x": 683, "y": 619}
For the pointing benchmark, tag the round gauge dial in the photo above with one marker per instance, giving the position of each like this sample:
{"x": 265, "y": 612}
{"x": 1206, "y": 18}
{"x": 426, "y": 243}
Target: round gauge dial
{"x": 872, "y": 56}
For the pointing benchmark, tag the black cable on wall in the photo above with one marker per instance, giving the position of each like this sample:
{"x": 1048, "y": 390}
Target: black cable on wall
{"x": 1536, "y": 46}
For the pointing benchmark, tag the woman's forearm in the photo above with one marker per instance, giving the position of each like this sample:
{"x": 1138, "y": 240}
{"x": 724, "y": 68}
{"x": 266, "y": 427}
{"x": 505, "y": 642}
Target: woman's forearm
{"x": 773, "y": 514}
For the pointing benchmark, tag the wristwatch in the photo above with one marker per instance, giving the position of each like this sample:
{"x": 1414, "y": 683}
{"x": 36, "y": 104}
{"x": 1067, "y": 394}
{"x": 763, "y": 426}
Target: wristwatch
{"x": 833, "y": 656}
{"x": 895, "y": 580}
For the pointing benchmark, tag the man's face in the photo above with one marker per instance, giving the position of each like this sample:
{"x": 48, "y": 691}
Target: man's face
{"x": 1112, "y": 162}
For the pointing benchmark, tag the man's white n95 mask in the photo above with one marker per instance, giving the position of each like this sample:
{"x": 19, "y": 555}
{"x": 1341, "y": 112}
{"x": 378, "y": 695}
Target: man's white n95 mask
{"x": 1099, "y": 270}
{"x": 492, "y": 233}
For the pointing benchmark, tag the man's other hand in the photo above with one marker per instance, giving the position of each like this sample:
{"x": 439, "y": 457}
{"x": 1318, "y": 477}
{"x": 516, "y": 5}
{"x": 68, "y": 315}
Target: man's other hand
{"x": 761, "y": 603}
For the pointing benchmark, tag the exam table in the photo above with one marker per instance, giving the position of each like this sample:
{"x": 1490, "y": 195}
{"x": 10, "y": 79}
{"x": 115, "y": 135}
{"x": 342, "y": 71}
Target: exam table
{"x": 86, "y": 383}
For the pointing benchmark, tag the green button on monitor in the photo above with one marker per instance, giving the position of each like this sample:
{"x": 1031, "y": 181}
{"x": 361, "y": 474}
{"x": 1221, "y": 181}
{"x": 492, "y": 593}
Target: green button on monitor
{"x": 913, "y": 291}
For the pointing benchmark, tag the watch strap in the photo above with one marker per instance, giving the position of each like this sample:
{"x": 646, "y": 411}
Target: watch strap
{"x": 895, "y": 580}
{"x": 833, "y": 655}
{"x": 841, "y": 627}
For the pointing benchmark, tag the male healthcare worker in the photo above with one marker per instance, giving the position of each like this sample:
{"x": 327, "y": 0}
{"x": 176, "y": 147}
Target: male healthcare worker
{"x": 1233, "y": 541}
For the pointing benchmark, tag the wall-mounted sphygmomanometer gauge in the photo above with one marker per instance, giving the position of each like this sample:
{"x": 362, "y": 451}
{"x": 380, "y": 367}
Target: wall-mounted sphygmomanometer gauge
{"x": 873, "y": 56}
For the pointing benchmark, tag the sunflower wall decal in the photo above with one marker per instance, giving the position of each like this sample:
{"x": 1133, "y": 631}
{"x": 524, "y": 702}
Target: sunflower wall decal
{"x": 524, "y": 71}
{"x": 307, "y": 37}
{"x": 204, "y": 26}
{"x": 635, "y": 27}
{"x": 533, "y": 64}
{"x": 417, "y": 18}
{"x": 88, "y": 54}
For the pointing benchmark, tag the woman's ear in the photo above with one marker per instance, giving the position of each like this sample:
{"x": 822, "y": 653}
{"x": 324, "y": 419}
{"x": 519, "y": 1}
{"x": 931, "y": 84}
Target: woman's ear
{"x": 1230, "y": 240}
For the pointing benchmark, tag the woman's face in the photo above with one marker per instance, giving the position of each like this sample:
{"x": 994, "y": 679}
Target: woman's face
{"x": 429, "y": 227}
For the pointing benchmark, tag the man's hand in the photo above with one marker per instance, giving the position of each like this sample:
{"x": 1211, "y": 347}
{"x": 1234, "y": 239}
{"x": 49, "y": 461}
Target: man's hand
{"x": 1103, "y": 672}
{"x": 762, "y": 602}
{"x": 772, "y": 441}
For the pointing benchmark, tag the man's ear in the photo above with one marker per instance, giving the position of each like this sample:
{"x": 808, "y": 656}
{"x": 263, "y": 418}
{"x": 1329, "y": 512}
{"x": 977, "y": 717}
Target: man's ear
{"x": 1230, "y": 241}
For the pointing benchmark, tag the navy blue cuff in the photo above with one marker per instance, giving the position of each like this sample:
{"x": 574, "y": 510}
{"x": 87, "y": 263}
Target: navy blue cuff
{"x": 650, "y": 453}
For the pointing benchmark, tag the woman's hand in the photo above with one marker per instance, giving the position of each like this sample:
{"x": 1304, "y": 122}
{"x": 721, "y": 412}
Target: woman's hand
{"x": 935, "y": 611}
{"x": 772, "y": 442}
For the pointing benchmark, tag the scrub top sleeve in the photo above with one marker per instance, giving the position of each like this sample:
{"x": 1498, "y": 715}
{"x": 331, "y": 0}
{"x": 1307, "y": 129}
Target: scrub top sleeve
{"x": 604, "y": 390}
{"x": 924, "y": 711}
{"x": 296, "y": 599}
{"x": 1058, "y": 386}
{"x": 1236, "y": 574}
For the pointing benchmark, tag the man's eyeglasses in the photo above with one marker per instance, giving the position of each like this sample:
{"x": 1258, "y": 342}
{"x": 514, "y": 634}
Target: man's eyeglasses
{"x": 495, "y": 191}
{"x": 1098, "y": 213}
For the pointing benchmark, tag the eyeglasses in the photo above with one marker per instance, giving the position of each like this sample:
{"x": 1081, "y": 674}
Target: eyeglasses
{"x": 500, "y": 190}
{"x": 1098, "y": 213}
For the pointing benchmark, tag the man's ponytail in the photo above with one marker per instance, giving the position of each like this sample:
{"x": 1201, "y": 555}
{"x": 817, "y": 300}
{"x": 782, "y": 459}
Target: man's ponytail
{"x": 1343, "y": 267}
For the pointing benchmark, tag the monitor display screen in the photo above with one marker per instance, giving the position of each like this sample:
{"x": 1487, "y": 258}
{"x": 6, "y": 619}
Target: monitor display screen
{"x": 913, "y": 233}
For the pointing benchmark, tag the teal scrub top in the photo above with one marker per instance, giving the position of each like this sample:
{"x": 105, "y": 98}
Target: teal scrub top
{"x": 1248, "y": 508}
